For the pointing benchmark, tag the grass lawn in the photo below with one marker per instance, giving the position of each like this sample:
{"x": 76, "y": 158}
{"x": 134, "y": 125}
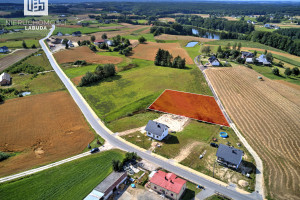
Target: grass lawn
{"x": 84, "y": 30}
{"x": 73, "y": 180}
{"x": 136, "y": 36}
{"x": 262, "y": 28}
{"x": 130, "y": 122}
{"x": 41, "y": 60}
{"x": 135, "y": 89}
{"x": 73, "y": 72}
{"x": 18, "y": 44}
{"x": 138, "y": 139}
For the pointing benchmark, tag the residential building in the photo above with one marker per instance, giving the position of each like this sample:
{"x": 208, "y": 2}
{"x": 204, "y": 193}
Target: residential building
{"x": 246, "y": 54}
{"x": 97, "y": 42}
{"x": 76, "y": 33}
{"x": 59, "y": 34}
{"x": 5, "y": 79}
{"x": 110, "y": 43}
{"x": 168, "y": 184}
{"x": 249, "y": 60}
{"x": 214, "y": 61}
{"x": 57, "y": 41}
{"x": 262, "y": 59}
{"x": 107, "y": 186}
{"x": 157, "y": 131}
{"x": 4, "y": 49}
{"x": 229, "y": 156}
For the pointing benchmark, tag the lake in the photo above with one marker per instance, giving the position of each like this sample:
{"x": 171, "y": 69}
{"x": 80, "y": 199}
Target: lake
{"x": 191, "y": 44}
{"x": 206, "y": 35}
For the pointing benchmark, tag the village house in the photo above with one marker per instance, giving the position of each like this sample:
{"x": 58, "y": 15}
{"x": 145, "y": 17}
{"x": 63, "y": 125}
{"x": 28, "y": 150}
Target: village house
{"x": 4, "y": 49}
{"x": 5, "y": 79}
{"x": 156, "y": 130}
{"x": 214, "y": 61}
{"x": 76, "y": 34}
{"x": 249, "y": 60}
{"x": 246, "y": 54}
{"x": 106, "y": 188}
{"x": 262, "y": 59}
{"x": 168, "y": 184}
{"x": 59, "y": 34}
{"x": 97, "y": 42}
{"x": 57, "y": 41}
{"x": 229, "y": 156}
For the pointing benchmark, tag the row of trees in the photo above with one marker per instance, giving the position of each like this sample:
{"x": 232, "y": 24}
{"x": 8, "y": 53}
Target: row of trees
{"x": 118, "y": 165}
{"x": 99, "y": 74}
{"x": 164, "y": 58}
{"x": 167, "y": 28}
{"x": 293, "y": 33}
{"x": 24, "y": 45}
{"x": 287, "y": 71}
{"x": 26, "y": 68}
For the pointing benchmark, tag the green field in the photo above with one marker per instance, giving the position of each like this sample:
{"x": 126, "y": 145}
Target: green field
{"x": 36, "y": 35}
{"x": 135, "y": 89}
{"x": 84, "y": 30}
{"x": 78, "y": 71}
{"x": 18, "y": 44}
{"x": 136, "y": 36}
{"x": 138, "y": 139}
{"x": 73, "y": 180}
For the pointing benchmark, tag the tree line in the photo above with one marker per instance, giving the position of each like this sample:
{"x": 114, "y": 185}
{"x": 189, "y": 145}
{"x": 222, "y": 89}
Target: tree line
{"x": 100, "y": 73}
{"x": 293, "y": 33}
{"x": 164, "y": 58}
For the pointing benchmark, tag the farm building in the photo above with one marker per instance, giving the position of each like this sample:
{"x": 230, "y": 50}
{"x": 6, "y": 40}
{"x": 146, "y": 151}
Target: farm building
{"x": 97, "y": 42}
{"x": 76, "y": 33}
{"x": 262, "y": 59}
{"x": 156, "y": 130}
{"x": 229, "y": 156}
{"x": 214, "y": 61}
{"x": 107, "y": 186}
{"x": 246, "y": 54}
{"x": 4, "y": 49}
{"x": 168, "y": 184}
{"x": 5, "y": 79}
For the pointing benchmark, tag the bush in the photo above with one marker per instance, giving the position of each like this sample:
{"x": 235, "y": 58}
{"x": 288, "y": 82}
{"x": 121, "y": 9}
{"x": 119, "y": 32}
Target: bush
{"x": 4, "y": 155}
{"x": 164, "y": 58}
{"x": 287, "y": 72}
{"x": 142, "y": 39}
{"x": 128, "y": 67}
{"x": 27, "y": 68}
{"x": 80, "y": 62}
{"x": 295, "y": 71}
{"x": 275, "y": 71}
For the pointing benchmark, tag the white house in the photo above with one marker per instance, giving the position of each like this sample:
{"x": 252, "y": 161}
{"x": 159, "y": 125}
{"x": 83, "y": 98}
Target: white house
{"x": 156, "y": 130}
{"x": 5, "y": 79}
{"x": 249, "y": 60}
{"x": 262, "y": 59}
{"x": 214, "y": 61}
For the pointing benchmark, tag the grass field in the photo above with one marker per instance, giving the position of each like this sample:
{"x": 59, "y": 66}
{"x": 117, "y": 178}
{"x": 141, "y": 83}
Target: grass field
{"x": 84, "y": 30}
{"x": 136, "y": 35}
{"x": 18, "y": 44}
{"x": 136, "y": 89}
{"x": 73, "y": 180}
{"x": 36, "y": 35}
{"x": 138, "y": 139}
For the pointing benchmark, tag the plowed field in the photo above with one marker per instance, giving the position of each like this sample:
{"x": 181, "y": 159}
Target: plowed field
{"x": 84, "y": 53}
{"x": 43, "y": 128}
{"x": 148, "y": 51}
{"x": 182, "y": 37}
{"x": 268, "y": 114}
{"x": 200, "y": 107}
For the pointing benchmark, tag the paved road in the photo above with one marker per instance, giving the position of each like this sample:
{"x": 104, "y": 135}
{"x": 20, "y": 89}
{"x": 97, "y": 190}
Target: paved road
{"x": 258, "y": 161}
{"x": 105, "y": 133}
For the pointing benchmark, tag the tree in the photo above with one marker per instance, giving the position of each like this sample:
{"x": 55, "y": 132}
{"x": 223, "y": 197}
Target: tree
{"x": 142, "y": 39}
{"x": 33, "y": 46}
{"x": 24, "y": 45}
{"x": 93, "y": 48}
{"x": 234, "y": 46}
{"x": 104, "y": 36}
{"x": 79, "y": 43}
{"x": 275, "y": 71}
{"x": 280, "y": 64}
{"x": 255, "y": 53}
{"x": 287, "y": 72}
{"x": 117, "y": 165}
{"x": 295, "y": 71}
{"x": 93, "y": 38}
{"x": 228, "y": 46}
{"x": 1, "y": 98}
{"x": 266, "y": 52}
{"x": 269, "y": 57}
{"x": 65, "y": 41}
{"x": 219, "y": 49}
{"x": 239, "y": 46}
{"x": 67, "y": 45}
{"x": 206, "y": 50}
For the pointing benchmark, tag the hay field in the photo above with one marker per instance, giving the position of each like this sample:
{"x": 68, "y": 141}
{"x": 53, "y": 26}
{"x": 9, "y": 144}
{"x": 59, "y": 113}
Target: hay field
{"x": 148, "y": 51}
{"x": 268, "y": 114}
{"x": 182, "y": 37}
{"x": 84, "y": 53}
{"x": 42, "y": 128}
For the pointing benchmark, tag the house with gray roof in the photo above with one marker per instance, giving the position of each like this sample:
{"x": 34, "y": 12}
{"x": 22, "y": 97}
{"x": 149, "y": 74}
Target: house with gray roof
{"x": 5, "y": 79}
{"x": 229, "y": 156}
{"x": 156, "y": 130}
{"x": 106, "y": 188}
{"x": 4, "y": 49}
{"x": 262, "y": 59}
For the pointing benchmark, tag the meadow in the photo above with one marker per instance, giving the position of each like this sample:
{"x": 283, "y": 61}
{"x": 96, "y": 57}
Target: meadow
{"x": 18, "y": 44}
{"x": 83, "y": 30}
{"x": 36, "y": 35}
{"x": 73, "y": 180}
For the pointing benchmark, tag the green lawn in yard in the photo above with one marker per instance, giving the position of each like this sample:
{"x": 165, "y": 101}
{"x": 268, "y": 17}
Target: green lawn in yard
{"x": 244, "y": 43}
{"x": 18, "y": 44}
{"x": 136, "y": 36}
{"x": 130, "y": 122}
{"x": 215, "y": 197}
{"x": 84, "y": 30}
{"x": 139, "y": 139}
{"x": 135, "y": 89}
{"x": 73, "y": 180}
{"x": 73, "y": 72}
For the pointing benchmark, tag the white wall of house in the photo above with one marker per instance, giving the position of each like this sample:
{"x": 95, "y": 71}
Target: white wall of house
{"x": 156, "y": 137}
{"x": 166, "y": 192}
{"x": 215, "y": 63}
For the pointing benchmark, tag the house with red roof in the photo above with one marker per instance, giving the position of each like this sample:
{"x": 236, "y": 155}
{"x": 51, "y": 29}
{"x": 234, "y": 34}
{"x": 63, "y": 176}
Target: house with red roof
{"x": 168, "y": 184}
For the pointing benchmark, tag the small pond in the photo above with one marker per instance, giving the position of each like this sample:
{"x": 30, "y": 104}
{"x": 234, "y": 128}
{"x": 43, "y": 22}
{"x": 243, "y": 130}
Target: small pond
{"x": 191, "y": 44}
{"x": 208, "y": 35}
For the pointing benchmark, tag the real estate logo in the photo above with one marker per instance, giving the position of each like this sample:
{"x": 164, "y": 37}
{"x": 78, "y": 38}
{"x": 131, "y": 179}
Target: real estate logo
{"x": 35, "y": 7}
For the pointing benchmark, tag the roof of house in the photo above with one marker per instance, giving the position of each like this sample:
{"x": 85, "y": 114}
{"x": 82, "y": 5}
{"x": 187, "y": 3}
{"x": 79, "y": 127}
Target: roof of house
{"x": 94, "y": 195}
{"x": 59, "y": 33}
{"x": 212, "y": 59}
{"x": 109, "y": 181}
{"x": 76, "y": 32}
{"x": 247, "y": 54}
{"x": 168, "y": 181}
{"x": 5, "y": 76}
{"x": 263, "y": 59}
{"x": 4, "y": 47}
{"x": 99, "y": 41}
{"x": 229, "y": 154}
{"x": 155, "y": 128}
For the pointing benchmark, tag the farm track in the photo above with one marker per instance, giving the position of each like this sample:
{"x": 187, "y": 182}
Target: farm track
{"x": 9, "y": 60}
{"x": 268, "y": 114}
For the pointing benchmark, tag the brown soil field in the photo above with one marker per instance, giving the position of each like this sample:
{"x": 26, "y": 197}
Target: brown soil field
{"x": 43, "y": 128}
{"x": 267, "y": 112}
{"x": 125, "y": 29}
{"x": 166, "y": 19}
{"x": 7, "y": 61}
{"x": 148, "y": 51}
{"x": 195, "y": 106}
{"x": 77, "y": 79}
{"x": 202, "y": 15}
{"x": 182, "y": 37}
{"x": 297, "y": 87}
{"x": 84, "y": 53}
{"x": 230, "y": 18}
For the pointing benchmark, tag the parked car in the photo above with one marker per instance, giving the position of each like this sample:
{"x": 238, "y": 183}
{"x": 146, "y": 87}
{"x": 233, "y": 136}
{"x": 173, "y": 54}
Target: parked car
{"x": 214, "y": 145}
{"x": 95, "y": 150}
